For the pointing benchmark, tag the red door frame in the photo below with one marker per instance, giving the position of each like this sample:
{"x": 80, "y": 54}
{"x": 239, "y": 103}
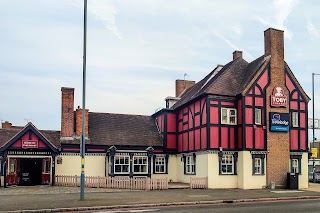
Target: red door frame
{"x": 12, "y": 176}
{"x": 45, "y": 178}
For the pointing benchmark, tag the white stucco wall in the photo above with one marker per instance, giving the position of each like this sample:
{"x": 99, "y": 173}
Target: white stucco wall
{"x": 303, "y": 178}
{"x": 246, "y": 180}
{"x": 71, "y": 165}
{"x": 219, "y": 181}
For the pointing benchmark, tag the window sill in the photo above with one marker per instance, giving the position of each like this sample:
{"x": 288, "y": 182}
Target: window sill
{"x": 258, "y": 174}
{"x": 190, "y": 174}
{"x": 229, "y": 174}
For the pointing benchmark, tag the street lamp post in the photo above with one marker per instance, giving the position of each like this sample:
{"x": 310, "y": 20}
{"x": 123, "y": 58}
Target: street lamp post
{"x": 313, "y": 137}
{"x": 83, "y": 139}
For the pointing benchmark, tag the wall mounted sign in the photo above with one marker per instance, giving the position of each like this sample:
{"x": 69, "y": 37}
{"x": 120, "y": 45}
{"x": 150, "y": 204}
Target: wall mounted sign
{"x": 278, "y": 98}
{"x": 29, "y": 144}
{"x": 279, "y": 122}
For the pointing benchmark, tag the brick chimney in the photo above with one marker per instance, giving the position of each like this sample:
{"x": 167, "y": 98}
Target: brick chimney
{"x": 79, "y": 122}
{"x": 182, "y": 85}
{"x": 278, "y": 143}
{"x": 67, "y": 112}
{"x": 237, "y": 54}
{"x": 6, "y": 125}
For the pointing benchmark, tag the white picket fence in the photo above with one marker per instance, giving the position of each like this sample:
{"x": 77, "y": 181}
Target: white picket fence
{"x": 199, "y": 182}
{"x": 113, "y": 182}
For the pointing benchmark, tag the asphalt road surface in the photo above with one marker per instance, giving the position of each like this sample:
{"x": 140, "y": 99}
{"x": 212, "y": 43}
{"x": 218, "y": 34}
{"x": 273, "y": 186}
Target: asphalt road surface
{"x": 301, "y": 206}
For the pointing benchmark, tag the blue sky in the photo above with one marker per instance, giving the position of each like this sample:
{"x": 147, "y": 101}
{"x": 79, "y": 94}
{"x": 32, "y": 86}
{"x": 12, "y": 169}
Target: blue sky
{"x": 137, "y": 49}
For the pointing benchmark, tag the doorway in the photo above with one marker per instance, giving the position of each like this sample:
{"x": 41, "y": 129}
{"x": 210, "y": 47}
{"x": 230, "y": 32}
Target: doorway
{"x": 30, "y": 171}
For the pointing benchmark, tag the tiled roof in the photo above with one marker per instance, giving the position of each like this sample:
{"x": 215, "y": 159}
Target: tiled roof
{"x": 229, "y": 81}
{"x": 120, "y": 129}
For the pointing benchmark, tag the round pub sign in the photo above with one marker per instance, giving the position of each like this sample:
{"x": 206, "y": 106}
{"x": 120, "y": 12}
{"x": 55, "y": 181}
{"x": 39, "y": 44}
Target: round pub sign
{"x": 278, "y": 98}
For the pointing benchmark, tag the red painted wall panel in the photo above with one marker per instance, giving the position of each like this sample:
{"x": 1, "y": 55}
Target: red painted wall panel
{"x": 197, "y": 106}
{"x": 18, "y": 143}
{"x": 232, "y": 141}
{"x": 191, "y": 140}
{"x": 257, "y": 90}
{"x": 224, "y": 137}
{"x": 191, "y": 119}
{"x": 214, "y": 115}
{"x": 213, "y": 102}
{"x": 294, "y": 139}
{"x": 214, "y": 137}
{"x": 295, "y": 95}
{"x": 259, "y": 138}
{"x": 302, "y": 120}
{"x": 197, "y": 139}
{"x": 263, "y": 80}
{"x": 289, "y": 84}
{"x": 185, "y": 141}
{"x": 204, "y": 113}
{"x": 197, "y": 120}
{"x": 180, "y": 126}
{"x": 180, "y": 142}
{"x": 249, "y": 115}
{"x": 259, "y": 102}
{"x": 171, "y": 125}
{"x": 248, "y": 100}
{"x": 294, "y": 105}
{"x": 303, "y": 139}
{"x": 203, "y": 138}
{"x": 227, "y": 103}
{"x": 302, "y": 105}
{"x": 249, "y": 137}
{"x": 239, "y": 112}
{"x": 171, "y": 141}
{"x": 240, "y": 137}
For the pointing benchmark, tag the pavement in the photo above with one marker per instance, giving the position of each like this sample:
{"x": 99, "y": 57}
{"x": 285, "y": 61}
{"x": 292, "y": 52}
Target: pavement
{"x": 58, "y": 199}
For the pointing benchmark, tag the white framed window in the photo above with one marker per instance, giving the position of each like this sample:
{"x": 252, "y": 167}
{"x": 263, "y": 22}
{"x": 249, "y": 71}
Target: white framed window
{"x": 190, "y": 167}
{"x": 295, "y": 119}
{"x": 257, "y": 116}
{"x": 12, "y": 166}
{"x": 140, "y": 164}
{"x": 160, "y": 165}
{"x": 228, "y": 116}
{"x": 227, "y": 164}
{"x": 121, "y": 164}
{"x": 257, "y": 166}
{"x": 294, "y": 165}
{"x": 46, "y": 166}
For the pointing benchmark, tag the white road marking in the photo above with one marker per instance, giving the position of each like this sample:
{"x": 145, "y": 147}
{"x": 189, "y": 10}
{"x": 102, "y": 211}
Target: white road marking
{"x": 284, "y": 192}
{"x": 134, "y": 210}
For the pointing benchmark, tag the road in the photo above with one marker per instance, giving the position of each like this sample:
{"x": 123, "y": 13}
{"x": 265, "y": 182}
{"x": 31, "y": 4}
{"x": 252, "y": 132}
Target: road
{"x": 301, "y": 206}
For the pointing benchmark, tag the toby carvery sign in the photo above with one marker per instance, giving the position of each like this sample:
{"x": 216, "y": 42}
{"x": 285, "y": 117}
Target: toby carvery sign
{"x": 279, "y": 122}
{"x": 278, "y": 98}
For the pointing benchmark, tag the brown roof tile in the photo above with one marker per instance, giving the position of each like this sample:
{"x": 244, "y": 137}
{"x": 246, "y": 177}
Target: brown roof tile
{"x": 120, "y": 129}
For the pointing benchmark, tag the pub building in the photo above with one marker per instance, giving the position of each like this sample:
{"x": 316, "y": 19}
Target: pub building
{"x": 242, "y": 126}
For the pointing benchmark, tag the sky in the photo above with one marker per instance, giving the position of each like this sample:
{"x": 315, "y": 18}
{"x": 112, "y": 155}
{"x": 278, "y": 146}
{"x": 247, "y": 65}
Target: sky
{"x": 137, "y": 49}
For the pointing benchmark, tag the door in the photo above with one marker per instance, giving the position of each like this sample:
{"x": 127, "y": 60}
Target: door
{"x": 12, "y": 175}
{"x": 46, "y": 168}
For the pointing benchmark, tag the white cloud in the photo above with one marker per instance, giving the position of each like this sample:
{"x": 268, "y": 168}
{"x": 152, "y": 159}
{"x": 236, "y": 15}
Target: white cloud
{"x": 281, "y": 9}
{"x": 313, "y": 30}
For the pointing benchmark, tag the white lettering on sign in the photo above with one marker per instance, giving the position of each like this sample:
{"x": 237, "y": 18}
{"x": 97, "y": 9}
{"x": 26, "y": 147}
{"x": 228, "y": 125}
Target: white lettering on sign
{"x": 29, "y": 144}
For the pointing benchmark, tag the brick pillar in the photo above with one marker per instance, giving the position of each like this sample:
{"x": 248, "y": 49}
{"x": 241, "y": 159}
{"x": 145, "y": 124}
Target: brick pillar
{"x": 67, "y": 112}
{"x": 237, "y": 54}
{"x": 79, "y": 122}
{"x": 182, "y": 85}
{"x": 278, "y": 144}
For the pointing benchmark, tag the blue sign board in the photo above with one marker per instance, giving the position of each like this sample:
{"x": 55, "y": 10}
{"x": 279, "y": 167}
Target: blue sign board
{"x": 279, "y": 122}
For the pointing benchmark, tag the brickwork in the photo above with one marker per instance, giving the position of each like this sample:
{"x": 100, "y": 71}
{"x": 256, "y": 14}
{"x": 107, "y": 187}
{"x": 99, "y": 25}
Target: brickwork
{"x": 278, "y": 144}
{"x": 237, "y": 54}
{"x": 67, "y": 112}
{"x": 182, "y": 85}
{"x": 79, "y": 122}
{"x": 6, "y": 125}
